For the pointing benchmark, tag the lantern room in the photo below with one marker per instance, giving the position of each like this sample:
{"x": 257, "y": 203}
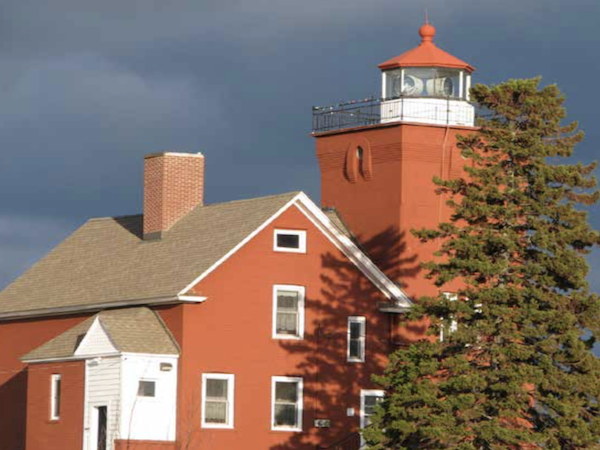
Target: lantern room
{"x": 426, "y": 85}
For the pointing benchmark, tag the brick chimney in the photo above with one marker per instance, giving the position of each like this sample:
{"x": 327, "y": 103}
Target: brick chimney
{"x": 173, "y": 186}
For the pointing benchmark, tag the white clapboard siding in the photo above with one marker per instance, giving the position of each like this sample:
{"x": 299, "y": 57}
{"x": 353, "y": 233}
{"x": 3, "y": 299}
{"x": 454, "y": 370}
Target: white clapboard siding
{"x": 103, "y": 388}
{"x": 149, "y": 418}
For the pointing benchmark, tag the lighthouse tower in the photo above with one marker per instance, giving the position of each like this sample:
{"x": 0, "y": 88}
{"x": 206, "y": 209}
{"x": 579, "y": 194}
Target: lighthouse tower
{"x": 378, "y": 157}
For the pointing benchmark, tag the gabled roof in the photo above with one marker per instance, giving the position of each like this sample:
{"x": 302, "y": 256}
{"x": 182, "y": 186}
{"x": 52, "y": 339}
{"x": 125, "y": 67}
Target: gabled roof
{"x": 130, "y": 330}
{"x": 427, "y": 54}
{"x": 106, "y": 263}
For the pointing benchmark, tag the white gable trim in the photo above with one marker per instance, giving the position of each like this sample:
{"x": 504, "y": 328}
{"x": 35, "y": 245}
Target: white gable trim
{"x": 352, "y": 252}
{"x": 341, "y": 241}
{"x": 96, "y": 332}
{"x": 237, "y": 247}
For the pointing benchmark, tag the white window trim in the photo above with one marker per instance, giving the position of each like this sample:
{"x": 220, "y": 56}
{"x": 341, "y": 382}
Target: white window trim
{"x": 299, "y": 394}
{"x": 301, "y": 241}
{"x": 364, "y": 393}
{"x": 144, "y": 397}
{"x": 302, "y": 291}
{"x": 53, "y": 382}
{"x": 230, "y": 399}
{"x": 363, "y": 322}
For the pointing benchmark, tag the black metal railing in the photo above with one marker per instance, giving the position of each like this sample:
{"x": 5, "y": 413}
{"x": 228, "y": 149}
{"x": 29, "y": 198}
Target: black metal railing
{"x": 372, "y": 111}
{"x": 349, "y": 442}
{"x": 357, "y": 113}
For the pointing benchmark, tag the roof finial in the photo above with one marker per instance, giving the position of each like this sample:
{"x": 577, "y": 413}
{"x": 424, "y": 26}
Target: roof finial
{"x": 427, "y": 31}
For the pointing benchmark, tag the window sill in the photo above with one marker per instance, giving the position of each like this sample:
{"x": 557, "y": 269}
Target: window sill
{"x": 288, "y": 430}
{"x": 356, "y": 361}
{"x": 208, "y": 426}
{"x": 287, "y": 337}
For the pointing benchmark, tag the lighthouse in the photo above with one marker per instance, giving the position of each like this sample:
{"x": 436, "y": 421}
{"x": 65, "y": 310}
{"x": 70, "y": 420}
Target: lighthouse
{"x": 378, "y": 157}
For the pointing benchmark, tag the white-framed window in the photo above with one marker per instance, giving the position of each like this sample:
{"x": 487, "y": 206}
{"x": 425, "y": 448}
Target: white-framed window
{"x": 147, "y": 388}
{"x": 218, "y": 391}
{"x": 286, "y": 403}
{"x": 55, "y": 396}
{"x": 288, "y": 311}
{"x": 356, "y": 338}
{"x": 453, "y": 322}
{"x": 369, "y": 398}
{"x": 293, "y": 241}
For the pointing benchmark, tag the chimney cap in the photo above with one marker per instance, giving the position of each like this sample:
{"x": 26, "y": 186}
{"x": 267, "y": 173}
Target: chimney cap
{"x": 191, "y": 155}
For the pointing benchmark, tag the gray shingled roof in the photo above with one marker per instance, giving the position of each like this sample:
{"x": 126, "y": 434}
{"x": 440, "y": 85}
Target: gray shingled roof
{"x": 106, "y": 260}
{"x": 133, "y": 330}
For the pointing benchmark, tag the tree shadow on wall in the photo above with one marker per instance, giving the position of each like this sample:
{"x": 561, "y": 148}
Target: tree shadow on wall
{"x": 332, "y": 384}
{"x": 13, "y": 411}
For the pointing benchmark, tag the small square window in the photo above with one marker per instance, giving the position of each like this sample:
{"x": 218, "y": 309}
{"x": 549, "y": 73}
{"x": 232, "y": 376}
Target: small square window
{"x": 147, "y": 388}
{"x": 293, "y": 241}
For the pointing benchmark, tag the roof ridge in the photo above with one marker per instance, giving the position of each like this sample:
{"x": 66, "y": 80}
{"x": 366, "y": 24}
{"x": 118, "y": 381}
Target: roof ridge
{"x": 228, "y": 202}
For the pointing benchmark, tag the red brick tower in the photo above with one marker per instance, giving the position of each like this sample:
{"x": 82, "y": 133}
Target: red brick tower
{"x": 378, "y": 157}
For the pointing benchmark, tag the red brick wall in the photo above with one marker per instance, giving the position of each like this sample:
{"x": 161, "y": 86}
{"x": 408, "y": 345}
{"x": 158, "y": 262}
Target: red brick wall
{"x": 173, "y": 186}
{"x": 231, "y": 333}
{"x": 16, "y": 339}
{"x": 67, "y": 431}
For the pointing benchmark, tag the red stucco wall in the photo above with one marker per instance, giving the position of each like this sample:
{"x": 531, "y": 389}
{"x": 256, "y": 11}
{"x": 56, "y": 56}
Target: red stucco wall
{"x": 231, "y": 333}
{"x": 67, "y": 432}
{"x": 16, "y": 339}
{"x": 397, "y": 196}
{"x": 144, "y": 445}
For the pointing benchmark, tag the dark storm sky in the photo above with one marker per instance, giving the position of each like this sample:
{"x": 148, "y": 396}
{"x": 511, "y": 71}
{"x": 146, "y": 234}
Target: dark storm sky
{"x": 88, "y": 87}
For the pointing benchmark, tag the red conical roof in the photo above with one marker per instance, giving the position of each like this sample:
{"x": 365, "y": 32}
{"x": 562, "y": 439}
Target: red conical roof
{"x": 427, "y": 54}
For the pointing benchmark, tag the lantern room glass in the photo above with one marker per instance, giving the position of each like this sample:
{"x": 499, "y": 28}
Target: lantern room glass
{"x": 433, "y": 82}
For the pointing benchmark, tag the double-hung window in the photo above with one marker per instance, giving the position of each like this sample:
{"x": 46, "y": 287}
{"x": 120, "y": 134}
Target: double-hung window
{"x": 356, "y": 338}
{"x": 288, "y": 312}
{"x": 368, "y": 400}
{"x": 292, "y": 241}
{"x": 55, "y": 396}
{"x": 286, "y": 407}
{"x": 217, "y": 400}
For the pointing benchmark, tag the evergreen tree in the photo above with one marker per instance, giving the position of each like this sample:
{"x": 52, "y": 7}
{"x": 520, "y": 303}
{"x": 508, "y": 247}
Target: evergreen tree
{"x": 518, "y": 372}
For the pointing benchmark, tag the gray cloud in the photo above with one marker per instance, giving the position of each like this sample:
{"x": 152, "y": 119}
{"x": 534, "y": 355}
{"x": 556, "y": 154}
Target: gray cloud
{"x": 88, "y": 87}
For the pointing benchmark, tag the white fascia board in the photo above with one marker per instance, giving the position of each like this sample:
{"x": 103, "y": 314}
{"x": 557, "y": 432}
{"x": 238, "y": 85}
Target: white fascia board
{"x": 70, "y": 358}
{"x": 352, "y": 252}
{"x": 191, "y": 298}
{"x": 64, "y": 310}
{"x": 240, "y": 245}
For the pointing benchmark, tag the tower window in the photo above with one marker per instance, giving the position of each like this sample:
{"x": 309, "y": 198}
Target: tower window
{"x": 359, "y": 153}
{"x": 293, "y": 241}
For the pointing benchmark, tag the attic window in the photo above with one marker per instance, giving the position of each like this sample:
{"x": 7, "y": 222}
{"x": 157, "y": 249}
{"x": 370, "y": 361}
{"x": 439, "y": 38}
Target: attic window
{"x": 293, "y": 241}
{"x": 147, "y": 388}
